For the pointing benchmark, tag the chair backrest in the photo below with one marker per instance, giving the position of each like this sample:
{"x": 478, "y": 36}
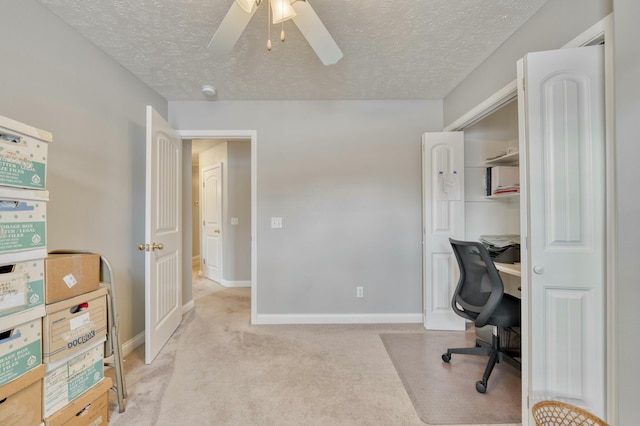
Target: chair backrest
{"x": 480, "y": 288}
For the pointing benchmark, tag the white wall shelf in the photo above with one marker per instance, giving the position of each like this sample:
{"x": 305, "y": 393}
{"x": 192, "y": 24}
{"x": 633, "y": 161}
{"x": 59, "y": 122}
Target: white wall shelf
{"x": 511, "y": 159}
{"x": 507, "y": 196}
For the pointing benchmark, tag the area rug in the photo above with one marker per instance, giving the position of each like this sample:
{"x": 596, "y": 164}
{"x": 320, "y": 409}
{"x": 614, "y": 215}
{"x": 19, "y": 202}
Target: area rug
{"x": 444, "y": 394}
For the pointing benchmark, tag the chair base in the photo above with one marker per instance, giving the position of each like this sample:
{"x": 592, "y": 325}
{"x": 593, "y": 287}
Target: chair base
{"x": 495, "y": 353}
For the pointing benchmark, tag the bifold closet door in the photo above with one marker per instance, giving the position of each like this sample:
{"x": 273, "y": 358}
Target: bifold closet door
{"x": 564, "y": 141}
{"x": 443, "y": 216}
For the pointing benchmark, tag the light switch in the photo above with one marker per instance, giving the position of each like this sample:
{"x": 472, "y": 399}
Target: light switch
{"x": 276, "y": 222}
{"x": 234, "y": 220}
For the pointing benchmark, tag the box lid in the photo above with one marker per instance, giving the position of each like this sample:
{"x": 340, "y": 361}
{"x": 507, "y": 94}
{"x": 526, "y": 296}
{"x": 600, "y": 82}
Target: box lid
{"x": 13, "y": 127}
{"x": 22, "y": 317}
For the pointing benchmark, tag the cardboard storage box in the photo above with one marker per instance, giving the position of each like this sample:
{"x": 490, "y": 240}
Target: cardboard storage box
{"x": 74, "y": 324}
{"x": 20, "y": 344}
{"x": 23, "y": 154}
{"x": 91, "y": 408}
{"x": 21, "y": 399}
{"x": 21, "y": 286}
{"x": 69, "y": 275}
{"x": 70, "y": 377}
{"x": 22, "y": 224}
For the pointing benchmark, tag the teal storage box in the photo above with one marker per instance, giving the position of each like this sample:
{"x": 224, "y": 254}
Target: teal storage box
{"x": 21, "y": 286}
{"x": 22, "y": 225}
{"x": 20, "y": 344}
{"x": 70, "y": 377}
{"x": 23, "y": 155}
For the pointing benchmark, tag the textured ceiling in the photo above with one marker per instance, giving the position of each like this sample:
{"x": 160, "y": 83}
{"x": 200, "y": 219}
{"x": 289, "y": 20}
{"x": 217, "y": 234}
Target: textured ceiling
{"x": 393, "y": 49}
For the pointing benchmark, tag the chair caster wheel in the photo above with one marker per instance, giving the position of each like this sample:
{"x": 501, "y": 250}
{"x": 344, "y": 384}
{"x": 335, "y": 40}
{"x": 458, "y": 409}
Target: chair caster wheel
{"x": 446, "y": 357}
{"x": 481, "y": 386}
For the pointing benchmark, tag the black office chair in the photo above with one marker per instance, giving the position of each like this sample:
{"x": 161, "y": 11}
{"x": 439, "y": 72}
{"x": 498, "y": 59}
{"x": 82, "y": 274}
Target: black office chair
{"x": 480, "y": 298}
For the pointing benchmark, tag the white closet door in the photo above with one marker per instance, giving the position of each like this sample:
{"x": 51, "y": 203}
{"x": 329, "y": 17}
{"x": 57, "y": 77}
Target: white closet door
{"x": 443, "y": 216}
{"x": 564, "y": 141}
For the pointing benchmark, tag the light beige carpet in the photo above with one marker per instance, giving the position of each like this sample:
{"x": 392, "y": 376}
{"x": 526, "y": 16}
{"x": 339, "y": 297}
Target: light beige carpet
{"x": 445, "y": 393}
{"x": 218, "y": 369}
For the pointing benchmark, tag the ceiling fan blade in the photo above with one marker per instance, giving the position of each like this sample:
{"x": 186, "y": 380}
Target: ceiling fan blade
{"x": 316, "y": 34}
{"x": 230, "y": 29}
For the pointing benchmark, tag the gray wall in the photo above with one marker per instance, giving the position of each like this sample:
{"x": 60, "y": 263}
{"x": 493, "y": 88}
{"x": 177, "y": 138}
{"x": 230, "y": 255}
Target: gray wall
{"x": 237, "y": 256}
{"x": 554, "y": 25}
{"x": 627, "y": 127}
{"x": 345, "y": 176}
{"x": 55, "y": 80}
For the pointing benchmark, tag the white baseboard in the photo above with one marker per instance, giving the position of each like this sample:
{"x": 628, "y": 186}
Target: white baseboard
{"x": 416, "y": 318}
{"x": 339, "y": 318}
{"x": 188, "y": 306}
{"x": 132, "y": 344}
{"x": 138, "y": 340}
{"x": 226, "y": 283}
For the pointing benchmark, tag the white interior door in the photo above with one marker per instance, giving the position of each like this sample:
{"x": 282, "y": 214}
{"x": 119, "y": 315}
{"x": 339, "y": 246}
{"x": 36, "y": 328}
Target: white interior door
{"x": 212, "y": 222}
{"x": 564, "y": 270}
{"x": 163, "y": 234}
{"x": 443, "y": 215}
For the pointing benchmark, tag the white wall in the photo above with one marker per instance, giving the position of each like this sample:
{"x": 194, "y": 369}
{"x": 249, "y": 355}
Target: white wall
{"x": 345, "y": 176}
{"x": 55, "y": 80}
{"x": 627, "y": 127}
{"x": 554, "y": 25}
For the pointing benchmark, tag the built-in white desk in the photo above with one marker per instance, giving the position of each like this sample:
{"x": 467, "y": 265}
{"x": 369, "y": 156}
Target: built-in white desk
{"x": 508, "y": 268}
{"x": 512, "y": 279}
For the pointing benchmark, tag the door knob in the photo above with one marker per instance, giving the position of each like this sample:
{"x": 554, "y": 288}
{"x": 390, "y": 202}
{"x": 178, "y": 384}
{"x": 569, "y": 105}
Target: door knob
{"x": 155, "y": 246}
{"x": 538, "y": 269}
{"x": 143, "y": 247}
{"x": 217, "y": 231}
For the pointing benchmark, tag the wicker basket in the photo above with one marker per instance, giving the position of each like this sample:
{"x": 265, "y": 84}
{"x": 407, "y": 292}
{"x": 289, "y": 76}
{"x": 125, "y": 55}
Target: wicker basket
{"x": 556, "y": 413}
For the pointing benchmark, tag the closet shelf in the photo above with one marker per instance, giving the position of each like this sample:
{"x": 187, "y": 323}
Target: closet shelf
{"x": 510, "y": 159}
{"x": 503, "y": 196}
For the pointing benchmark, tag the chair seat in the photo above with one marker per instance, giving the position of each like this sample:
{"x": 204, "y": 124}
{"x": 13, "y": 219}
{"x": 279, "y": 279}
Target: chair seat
{"x": 507, "y": 314}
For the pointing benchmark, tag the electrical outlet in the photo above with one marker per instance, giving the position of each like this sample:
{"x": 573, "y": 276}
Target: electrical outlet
{"x": 359, "y": 291}
{"x": 276, "y": 222}
{"x": 234, "y": 220}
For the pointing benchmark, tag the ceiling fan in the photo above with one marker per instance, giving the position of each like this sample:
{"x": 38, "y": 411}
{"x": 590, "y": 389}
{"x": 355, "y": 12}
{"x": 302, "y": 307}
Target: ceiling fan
{"x": 300, "y": 11}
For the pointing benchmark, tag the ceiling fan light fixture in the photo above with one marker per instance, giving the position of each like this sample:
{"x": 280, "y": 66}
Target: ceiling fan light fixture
{"x": 281, "y": 10}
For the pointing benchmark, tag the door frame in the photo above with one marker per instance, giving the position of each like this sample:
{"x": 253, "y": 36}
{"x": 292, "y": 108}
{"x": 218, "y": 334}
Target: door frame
{"x": 600, "y": 32}
{"x": 253, "y": 136}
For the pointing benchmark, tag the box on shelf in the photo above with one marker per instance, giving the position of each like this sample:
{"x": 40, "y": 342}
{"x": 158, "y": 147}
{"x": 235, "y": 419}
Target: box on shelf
{"x": 504, "y": 176}
{"x": 91, "y": 408}
{"x": 23, "y": 154}
{"x": 74, "y": 324}
{"x": 21, "y": 283}
{"x": 70, "y": 377}
{"x": 22, "y": 399}
{"x": 69, "y": 275}
{"x": 20, "y": 344}
{"x": 22, "y": 224}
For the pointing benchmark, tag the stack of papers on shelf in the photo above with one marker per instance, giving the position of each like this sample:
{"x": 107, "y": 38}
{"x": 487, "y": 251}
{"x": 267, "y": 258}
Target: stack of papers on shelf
{"x": 507, "y": 189}
{"x": 500, "y": 240}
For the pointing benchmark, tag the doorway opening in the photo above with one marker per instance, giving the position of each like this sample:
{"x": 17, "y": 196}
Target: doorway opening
{"x": 235, "y": 153}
